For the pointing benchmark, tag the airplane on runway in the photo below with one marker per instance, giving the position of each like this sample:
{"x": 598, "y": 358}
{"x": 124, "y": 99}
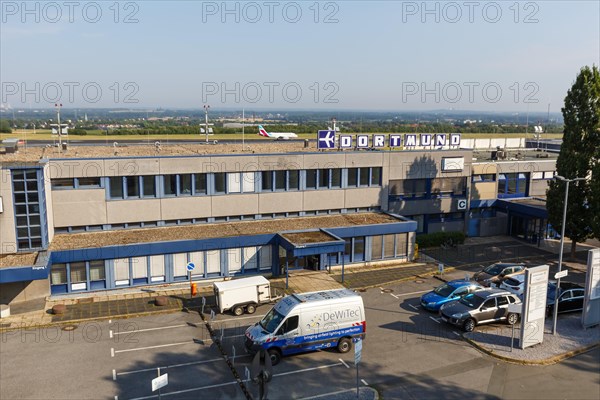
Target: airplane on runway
{"x": 276, "y": 135}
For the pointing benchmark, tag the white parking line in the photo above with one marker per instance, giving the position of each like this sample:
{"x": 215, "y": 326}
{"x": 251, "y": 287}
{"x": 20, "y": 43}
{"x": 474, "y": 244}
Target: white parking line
{"x": 392, "y": 294}
{"x": 456, "y": 333}
{"x": 408, "y": 294}
{"x": 435, "y": 319}
{"x": 114, "y": 375}
{"x": 307, "y": 369}
{"x": 149, "y": 329}
{"x": 112, "y": 351}
{"x": 416, "y": 308}
{"x": 364, "y": 382}
{"x": 343, "y": 362}
{"x": 153, "y": 347}
{"x": 187, "y": 390}
{"x": 110, "y": 334}
{"x": 179, "y": 365}
{"x": 237, "y": 319}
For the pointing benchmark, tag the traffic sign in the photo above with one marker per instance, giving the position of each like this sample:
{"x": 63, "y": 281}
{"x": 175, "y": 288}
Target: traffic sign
{"x": 190, "y": 266}
{"x": 357, "y": 352}
{"x": 561, "y": 274}
{"x": 441, "y": 268}
{"x": 326, "y": 140}
{"x": 160, "y": 382}
{"x": 462, "y": 204}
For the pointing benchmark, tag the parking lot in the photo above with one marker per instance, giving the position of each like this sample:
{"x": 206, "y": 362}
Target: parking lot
{"x": 408, "y": 353}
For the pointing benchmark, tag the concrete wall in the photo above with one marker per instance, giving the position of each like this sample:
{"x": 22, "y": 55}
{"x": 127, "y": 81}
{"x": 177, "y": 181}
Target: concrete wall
{"x": 16, "y": 292}
{"x": 537, "y": 188}
{"x": 78, "y": 207}
{"x": 452, "y": 226}
{"x": 8, "y": 235}
{"x": 484, "y": 190}
{"x": 420, "y": 165}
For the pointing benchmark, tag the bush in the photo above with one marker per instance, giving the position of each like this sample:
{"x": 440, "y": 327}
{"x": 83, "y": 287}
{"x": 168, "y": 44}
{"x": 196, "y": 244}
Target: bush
{"x": 440, "y": 238}
{"x": 77, "y": 131}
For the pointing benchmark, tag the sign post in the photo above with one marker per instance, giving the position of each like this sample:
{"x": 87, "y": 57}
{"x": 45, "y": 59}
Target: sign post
{"x": 357, "y": 357}
{"x": 159, "y": 382}
{"x": 190, "y": 267}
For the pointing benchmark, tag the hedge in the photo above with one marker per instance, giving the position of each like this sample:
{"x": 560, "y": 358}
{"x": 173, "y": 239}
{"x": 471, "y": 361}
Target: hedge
{"x": 439, "y": 238}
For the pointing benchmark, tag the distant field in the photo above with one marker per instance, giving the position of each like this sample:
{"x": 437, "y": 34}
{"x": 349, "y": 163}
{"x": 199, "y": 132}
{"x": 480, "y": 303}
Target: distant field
{"x": 96, "y": 135}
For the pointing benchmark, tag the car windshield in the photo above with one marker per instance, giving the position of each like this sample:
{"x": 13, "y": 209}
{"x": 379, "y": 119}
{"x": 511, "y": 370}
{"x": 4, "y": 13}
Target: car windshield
{"x": 444, "y": 290}
{"x": 493, "y": 269}
{"x": 271, "y": 321}
{"x": 471, "y": 300}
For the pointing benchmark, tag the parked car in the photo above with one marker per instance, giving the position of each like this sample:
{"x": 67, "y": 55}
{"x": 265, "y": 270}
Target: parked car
{"x": 480, "y": 307}
{"x": 570, "y": 297}
{"x": 494, "y": 274}
{"x": 515, "y": 284}
{"x": 447, "y": 292}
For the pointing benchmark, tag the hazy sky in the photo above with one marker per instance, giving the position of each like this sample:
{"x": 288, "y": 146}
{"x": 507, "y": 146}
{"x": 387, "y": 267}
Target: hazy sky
{"x": 388, "y": 55}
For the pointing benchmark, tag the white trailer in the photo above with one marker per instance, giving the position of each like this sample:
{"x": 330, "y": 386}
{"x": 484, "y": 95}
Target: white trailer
{"x": 243, "y": 295}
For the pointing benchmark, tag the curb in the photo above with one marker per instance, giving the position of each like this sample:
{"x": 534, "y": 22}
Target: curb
{"x": 547, "y": 361}
{"x": 103, "y": 318}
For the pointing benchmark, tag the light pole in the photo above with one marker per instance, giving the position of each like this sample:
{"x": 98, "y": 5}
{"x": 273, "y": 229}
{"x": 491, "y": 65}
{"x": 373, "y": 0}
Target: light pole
{"x": 206, "y": 108}
{"x": 58, "y": 106}
{"x": 562, "y": 241}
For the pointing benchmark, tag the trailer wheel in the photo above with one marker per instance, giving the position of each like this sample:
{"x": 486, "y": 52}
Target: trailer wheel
{"x": 275, "y": 355}
{"x": 238, "y": 310}
{"x": 344, "y": 345}
{"x": 250, "y": 308}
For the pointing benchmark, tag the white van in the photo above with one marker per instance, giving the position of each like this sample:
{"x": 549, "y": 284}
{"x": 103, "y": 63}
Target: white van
{"x": 309, "y": 321}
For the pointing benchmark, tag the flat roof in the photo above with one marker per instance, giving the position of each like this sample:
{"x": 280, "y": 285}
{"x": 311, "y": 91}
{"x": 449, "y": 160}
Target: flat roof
{"x": 17, "y": 260}
{"x": 215, "y": 230}
{"x": 514, "y": 155}
{"x": 300, "y": 238}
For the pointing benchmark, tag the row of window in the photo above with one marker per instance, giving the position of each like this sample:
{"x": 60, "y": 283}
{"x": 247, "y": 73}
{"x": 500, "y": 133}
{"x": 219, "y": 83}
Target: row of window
{"x": 543, "y": 175}
{"x": 152, "y": 186}
{"x": 428, "y": 188}
{"x": 130, "y": 271}
{"x": 190, "y": 221}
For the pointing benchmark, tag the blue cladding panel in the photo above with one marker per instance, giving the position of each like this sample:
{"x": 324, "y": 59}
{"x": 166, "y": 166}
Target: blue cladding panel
{"x": 8, "y": 275}
{"x": 379, "y": 229}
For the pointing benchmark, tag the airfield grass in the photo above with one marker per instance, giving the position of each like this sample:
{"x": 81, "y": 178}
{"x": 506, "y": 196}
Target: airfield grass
{"x": 27, "y": 134}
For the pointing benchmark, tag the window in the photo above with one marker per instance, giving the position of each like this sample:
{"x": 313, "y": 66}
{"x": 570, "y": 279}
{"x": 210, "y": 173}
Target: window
{"x": 78, "y": 272}
{"x": 336, "y": 178}
{"x": 185, "y": 185}
{"x": 280, "y": 180}
{"x": 97, "y": 271}
{"x": 448, "y": 186}
{"x": 401, "y": 244}
{"x": 157, "y": 268}
{"x": 115, "y": 184}
{"x": 62, "y": 183}
{"x": 29, "y": 199}
{"x": 139, "y": 268}
{"x": 149, "y": 186}
{"x": 364, "y": 177}
{"x": 58, "y": 274}
{"x": 489, "y": 303}
{"x": 170, "y": 185}
{"x": 89, "y": 182}
{"x": 121, "y": 271}
{"x": 352, "y": 177}
{"x": 483, "y": 178}
{"x": 289, "y": 325}
{"x": 376, "y": 247}
{"x": 388, "y": 246}
{"x": 199, "y": 184}
{"x": 359, "y": 249}
{"x": 311, "y": 178}
{"x": 502, "y": 301}
{"x": 179, "y": 265}
{"x": 267, "y": 181}
{"x": 133, "y": 186}
{"x": 234, "y": 260}
{"x": 250, "y": 259}
{"x": 220, "y": 183}
{"x": 409, "y": 188}
{"x": 265, "y": 258}
{"x": 512, "y": 185}
{"x": 293, "y": 180}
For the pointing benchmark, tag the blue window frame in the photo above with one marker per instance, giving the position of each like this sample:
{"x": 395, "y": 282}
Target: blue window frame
{"x": 279, "y": 181}
{"x": 363, "y": 177}
{"x": 30, "y": 209}
{"x": 513, "y": 185}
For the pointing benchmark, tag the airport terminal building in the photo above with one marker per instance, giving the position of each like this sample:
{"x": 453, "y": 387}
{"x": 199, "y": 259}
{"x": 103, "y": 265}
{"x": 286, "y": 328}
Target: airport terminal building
{"x": 78, "y": 219}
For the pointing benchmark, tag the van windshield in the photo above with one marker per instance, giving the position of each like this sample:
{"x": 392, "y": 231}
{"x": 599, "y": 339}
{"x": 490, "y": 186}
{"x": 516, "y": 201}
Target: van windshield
{"x": 271, "y": 321}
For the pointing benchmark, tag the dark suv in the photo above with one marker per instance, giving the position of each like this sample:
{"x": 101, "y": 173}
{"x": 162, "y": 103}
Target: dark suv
{"x": 570, "y": 297}
{"x": 483, "y": 306}
{"x": 494, "y": 274}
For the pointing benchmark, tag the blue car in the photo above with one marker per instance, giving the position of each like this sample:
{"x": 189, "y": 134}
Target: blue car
{"x": 447, "y": 292}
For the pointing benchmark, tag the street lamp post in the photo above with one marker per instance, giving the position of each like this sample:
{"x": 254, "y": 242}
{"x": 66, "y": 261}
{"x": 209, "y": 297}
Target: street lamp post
{"x": 206, "y": 108}
{"x": 562, "y": 241}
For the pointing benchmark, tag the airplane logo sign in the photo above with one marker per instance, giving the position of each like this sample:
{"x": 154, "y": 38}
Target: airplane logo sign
{"x": 326, "y": 140}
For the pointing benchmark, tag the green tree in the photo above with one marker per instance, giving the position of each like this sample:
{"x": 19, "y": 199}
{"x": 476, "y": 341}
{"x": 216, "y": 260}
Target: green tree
{"x": 5, "y": 126}
{"x": 578, "y": 156}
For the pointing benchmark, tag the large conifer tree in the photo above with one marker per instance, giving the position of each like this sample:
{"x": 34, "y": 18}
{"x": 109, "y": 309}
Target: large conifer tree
{"x": 578, "y": 156}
